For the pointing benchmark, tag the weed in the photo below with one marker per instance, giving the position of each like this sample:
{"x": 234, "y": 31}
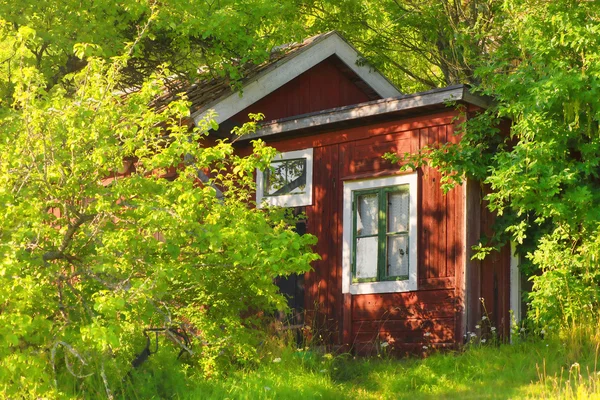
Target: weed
{"x": 559, "y": 365}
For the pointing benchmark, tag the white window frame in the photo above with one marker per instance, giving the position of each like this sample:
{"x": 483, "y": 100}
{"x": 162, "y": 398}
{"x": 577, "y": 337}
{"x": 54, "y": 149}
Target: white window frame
{"x": 287, "y": 200}
{"x": 382, "y": 286}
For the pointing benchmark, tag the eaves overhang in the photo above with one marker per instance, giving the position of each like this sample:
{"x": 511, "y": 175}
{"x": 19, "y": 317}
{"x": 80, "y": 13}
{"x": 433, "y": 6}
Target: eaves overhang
{"x": 433, "y": 100}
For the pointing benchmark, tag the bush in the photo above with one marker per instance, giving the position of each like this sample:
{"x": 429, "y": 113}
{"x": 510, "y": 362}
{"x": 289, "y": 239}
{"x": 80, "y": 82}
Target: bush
{"x": 96, "y": 246}
{"x": 568, "y": 289}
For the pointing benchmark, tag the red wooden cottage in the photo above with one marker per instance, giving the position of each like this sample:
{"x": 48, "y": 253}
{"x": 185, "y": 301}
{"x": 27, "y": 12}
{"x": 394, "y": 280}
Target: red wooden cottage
{"x": 395, "y": 251}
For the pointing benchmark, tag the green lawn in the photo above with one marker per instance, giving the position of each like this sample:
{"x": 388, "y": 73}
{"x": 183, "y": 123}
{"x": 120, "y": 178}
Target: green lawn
{"x": 541, "y": 368}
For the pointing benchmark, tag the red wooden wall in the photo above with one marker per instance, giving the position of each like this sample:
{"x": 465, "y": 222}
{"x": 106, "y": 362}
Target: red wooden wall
{"x": 400, "y": 318}
{"x": 322, "y": 87}
{"x": 495, "y": 280}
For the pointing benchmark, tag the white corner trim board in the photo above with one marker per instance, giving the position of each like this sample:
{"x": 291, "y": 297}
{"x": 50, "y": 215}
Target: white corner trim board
{"x": 290, "y": 69}
{"x": 287, "y": 200}
{"x": 515, "y": 283}
{"x": 382, "y": 286}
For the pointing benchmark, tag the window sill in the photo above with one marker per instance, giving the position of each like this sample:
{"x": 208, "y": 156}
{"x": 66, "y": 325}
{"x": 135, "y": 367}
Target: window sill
{"x": 383, "y": 287}
{"x": 290, "y": 200}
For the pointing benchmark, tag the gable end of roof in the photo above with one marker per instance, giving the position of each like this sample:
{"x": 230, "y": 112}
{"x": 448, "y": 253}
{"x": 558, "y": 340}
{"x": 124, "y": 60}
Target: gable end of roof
{"x": 287, "y": 68}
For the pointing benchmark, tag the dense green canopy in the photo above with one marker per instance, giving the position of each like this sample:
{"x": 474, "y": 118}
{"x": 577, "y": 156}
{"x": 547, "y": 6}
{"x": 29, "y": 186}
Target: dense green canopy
{"x": 55, "y": 37}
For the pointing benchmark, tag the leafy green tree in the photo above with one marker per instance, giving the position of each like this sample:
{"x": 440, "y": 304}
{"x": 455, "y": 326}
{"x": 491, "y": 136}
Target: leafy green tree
{"x": 97, "y": 245}
{"x": 545, "y": 77}
{"x": 220, "y": 35}
{"x": 543, "y": 74}
{"x": 420, "y": 45}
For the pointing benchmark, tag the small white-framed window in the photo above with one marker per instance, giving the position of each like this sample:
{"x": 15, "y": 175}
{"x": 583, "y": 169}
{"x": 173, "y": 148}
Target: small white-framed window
{"x": 288, "y": 183}
{"x": 380, "y": 235}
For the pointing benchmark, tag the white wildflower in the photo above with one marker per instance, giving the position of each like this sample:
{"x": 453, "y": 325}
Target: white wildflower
{"x": 543, "y": 332}
{"x": 427, "y": 334}
{"x": 477, "y": 326}
{"x": 522, "y": 329}
{"x": 483, "y": 318}
{"x": 493, "y": 328}
{"x": 276, "y": 360}
{"x": 425, "y": 347}
{"x": 483, "y": 340}
{"x": 473, "y": 334}
{"x": 385, "y": 344}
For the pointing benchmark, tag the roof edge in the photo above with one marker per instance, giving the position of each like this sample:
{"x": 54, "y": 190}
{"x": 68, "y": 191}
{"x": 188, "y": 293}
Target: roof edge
{"x": 330, "y": 117}
{"x": 282, "y": 72}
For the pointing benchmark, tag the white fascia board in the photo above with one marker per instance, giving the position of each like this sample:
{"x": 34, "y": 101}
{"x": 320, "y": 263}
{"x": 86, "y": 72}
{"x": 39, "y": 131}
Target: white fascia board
{"x": 372, "y": 77}
{"x": 349, "y": 113}
{"x": 292, "y": 67}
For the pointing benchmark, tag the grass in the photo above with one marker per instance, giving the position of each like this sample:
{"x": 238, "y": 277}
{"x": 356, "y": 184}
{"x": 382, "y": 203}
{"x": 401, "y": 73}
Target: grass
{"x": 484, "y": 372}
{"x": 553, "y": 368}
{"x": 562, "y": 367}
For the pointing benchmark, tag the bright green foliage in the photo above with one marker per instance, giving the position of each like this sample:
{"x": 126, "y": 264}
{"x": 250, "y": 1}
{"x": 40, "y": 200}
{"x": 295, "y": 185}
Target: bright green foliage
{"x": 544, "y": 76}
{"x": 419, "y": 45}
{"x": 568, "y": 288}
{"x": 89, "y": 258}
{"x": 221, "y": 35}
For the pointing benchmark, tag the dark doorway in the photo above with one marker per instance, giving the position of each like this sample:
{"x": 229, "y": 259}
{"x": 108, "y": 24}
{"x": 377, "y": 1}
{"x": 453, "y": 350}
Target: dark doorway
{"x": 292, "y": 287}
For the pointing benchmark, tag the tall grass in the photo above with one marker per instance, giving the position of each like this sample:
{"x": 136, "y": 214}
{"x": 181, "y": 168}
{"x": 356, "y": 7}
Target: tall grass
{"x": 579, "y": 376}
{"x": 564, "y": 366}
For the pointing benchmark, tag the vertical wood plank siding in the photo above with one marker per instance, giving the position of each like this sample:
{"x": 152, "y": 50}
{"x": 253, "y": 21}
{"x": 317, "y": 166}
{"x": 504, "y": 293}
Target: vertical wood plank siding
{"x": 323, "y": 292}
{"x": 447, "y": 300}
{"x": 495, "y": 279}
{"x": 399, "y": 318}
{"x": 322, "y": 87}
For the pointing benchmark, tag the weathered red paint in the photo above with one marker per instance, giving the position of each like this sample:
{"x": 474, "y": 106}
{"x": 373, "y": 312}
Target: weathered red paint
{"x": 356, "y": 320}
{"x": 440, "y": 305}
{"x": 322, "y": 87}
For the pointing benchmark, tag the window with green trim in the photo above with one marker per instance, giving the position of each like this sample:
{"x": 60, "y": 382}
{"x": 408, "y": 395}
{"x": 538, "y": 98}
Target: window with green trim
{"x": 380, "y": 234}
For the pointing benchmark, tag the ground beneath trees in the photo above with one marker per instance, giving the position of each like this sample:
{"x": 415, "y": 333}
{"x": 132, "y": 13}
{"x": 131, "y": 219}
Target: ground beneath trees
{"x": 551, "y": 368}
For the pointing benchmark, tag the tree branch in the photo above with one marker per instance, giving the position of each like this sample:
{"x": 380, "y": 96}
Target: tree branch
{"x": 409, "y": 73}
{"x": 67, "y": 239}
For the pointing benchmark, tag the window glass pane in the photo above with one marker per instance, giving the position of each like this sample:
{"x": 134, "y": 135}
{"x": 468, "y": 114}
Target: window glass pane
{"x": 398, "y": 212}
{"x": 367, "y": 214}
{"x": 286, "y": 177}
{"x": 397, "y": 255}
{"x": 366, "y": 257}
